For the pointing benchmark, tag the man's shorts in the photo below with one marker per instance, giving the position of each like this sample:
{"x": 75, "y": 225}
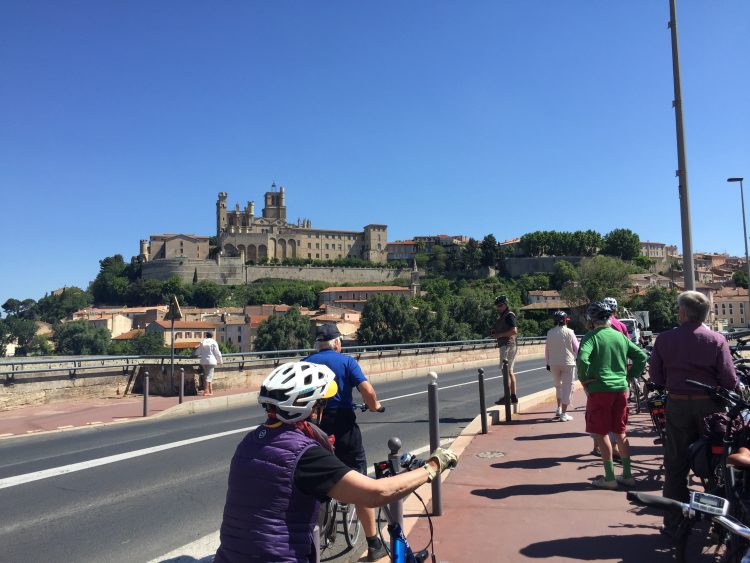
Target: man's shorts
{"x": 208, "y": 371}
{"x": 607, "y": 412}
{"x": 348, "y": 446}
{"x": 508, "y": 352}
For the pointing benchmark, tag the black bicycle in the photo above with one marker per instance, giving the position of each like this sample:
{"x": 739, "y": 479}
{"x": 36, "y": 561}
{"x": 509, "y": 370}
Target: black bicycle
{"x": 656, "y": 400}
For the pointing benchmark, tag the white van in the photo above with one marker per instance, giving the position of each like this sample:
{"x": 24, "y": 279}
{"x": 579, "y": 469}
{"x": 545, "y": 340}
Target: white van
{"x": 633, "y": 330}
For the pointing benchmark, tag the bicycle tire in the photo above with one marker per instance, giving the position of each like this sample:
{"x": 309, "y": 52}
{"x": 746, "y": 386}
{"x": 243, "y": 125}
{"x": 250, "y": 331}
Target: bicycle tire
{"x": 381, "y": 522}
{"x": 352, "y": 525}
{"x": 327, "y": 524}
{"x": 637, "y": 392}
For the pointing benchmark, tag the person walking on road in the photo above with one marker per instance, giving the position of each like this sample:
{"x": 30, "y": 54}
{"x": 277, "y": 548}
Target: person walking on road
{"x": 690, "y": 351}
{"x": 560, "y": 351}
{"x": 504, "y": 331}
{"x": 283, "y": 469}
{"x": 210, "y": 357}
{"x": 602, "y": 370}
{"x": 340, "y": 420}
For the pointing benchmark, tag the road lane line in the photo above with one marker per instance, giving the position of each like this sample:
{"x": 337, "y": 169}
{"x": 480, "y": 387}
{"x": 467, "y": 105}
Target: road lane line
{"x": 73, "y": 467}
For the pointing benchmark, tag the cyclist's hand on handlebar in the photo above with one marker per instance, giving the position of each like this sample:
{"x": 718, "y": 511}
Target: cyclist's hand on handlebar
{"x": 444, "y": 459}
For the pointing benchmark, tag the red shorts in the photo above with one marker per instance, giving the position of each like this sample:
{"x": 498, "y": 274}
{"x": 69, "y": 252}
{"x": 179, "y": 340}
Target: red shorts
{"x": 607, "y": 412}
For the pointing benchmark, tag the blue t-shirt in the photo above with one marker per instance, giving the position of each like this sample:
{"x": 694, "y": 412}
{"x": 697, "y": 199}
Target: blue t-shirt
{"x": 348, "y": 375}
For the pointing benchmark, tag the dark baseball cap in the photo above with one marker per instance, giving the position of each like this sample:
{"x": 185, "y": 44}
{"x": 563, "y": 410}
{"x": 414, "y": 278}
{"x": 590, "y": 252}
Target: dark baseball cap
{"x": 501, "y": 300}
{"x": 327, "y": 332}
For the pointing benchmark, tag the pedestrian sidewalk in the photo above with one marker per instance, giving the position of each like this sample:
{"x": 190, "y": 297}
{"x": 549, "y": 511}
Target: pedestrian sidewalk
{"x": 522, "y": 492}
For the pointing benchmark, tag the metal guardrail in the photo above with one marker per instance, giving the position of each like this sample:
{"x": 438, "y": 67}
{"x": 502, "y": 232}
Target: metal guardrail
{"x": 9, "y": 368}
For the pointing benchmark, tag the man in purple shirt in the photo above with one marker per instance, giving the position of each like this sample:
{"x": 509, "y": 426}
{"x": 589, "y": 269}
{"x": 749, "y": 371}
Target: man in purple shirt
{"x": 690, "y": 351}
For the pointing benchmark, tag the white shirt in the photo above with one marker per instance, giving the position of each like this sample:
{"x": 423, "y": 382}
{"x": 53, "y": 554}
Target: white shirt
{"x": 561, "y": 348}
{"x": 209, "y": 353}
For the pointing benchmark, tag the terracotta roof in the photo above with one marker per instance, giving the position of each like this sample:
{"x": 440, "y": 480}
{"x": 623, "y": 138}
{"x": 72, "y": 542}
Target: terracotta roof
{"x": 185, "y": 324}
{"x": 366, "y": 288}
{"x": 545, "y": 305}
{"x": 186, "y": 344}
{"x": 545, "y": 293}
{"x": 129, "y": 335}
{"x": 256, "y": 320}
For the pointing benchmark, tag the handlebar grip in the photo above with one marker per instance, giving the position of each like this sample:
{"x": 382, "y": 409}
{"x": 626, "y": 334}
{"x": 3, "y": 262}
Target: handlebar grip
{"x": 654, "y": 501}
{"x": 699, "y": 384}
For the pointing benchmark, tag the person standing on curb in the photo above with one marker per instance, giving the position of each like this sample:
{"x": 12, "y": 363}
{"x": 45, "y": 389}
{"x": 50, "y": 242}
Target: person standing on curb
{"x": 504, "y": 331}
{"x": 210, "y": 357}
{"x": 602, "y": 370}
{"x": 560, "y": 351}
{"x": 690, "y": 351}
{"x": 340, "y": 420}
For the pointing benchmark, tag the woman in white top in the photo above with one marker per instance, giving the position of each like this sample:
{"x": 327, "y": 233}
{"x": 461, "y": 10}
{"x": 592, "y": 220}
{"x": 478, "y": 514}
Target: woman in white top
{"x": 560, "y": 353}
{"x": 210, "y": 357}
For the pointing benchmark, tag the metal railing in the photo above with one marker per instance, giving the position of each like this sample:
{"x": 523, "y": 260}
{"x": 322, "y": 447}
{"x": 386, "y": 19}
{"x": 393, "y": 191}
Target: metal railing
{"x": 11, "y": 367}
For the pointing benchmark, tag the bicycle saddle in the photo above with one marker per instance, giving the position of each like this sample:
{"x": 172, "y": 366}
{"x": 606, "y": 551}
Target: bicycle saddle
{"x": 741, "y": 458}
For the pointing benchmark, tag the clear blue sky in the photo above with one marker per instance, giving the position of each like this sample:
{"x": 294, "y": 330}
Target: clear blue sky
{"x": 123, "y": 119}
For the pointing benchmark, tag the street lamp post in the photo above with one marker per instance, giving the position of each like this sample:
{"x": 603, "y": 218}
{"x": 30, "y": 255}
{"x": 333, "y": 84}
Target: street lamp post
{"x": 744, "y": 230}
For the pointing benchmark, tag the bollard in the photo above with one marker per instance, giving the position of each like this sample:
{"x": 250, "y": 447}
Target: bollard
{"x": 395, "y": 508}
{"x": 182, "y": 384}
{"x": 482, "y": 401}
{"x": 145, "y": 393}
{"x": 434, "y": 417}
{"x": 506, "y": 388}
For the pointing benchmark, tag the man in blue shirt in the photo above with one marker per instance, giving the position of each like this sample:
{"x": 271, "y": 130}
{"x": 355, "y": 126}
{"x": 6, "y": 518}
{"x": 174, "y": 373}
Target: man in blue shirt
{"x": 340, "y": 420}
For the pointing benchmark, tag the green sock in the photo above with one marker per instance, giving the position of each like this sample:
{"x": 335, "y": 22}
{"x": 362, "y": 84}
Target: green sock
{"x": 626, "y": 467}
{"x": 609, "y": 470}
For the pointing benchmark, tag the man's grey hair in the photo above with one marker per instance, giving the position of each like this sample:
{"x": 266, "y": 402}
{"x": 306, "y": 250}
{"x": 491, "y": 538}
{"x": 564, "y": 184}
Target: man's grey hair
{"x": 601, "y": 322}
{"x": 695, "y": 305}
{"x": 326, "y": 344}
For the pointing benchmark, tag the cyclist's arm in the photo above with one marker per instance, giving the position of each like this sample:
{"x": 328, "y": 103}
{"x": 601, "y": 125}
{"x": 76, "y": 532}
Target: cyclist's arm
{"x": 369, "y": 396}
{"x": 355, "y": 488}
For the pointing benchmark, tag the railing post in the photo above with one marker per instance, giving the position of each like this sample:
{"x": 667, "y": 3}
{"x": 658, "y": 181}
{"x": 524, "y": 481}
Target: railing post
{"x": 182, "y": 384}
{"x": 482, "y": 401}
{"x": 145, "y": 393}
{"x": 395, "y": 508}
{"x": 506, "y": 389}
{"x": 434, "y": 418}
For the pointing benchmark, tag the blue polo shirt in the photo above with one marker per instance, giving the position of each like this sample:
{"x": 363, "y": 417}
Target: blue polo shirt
{"x": 348, "y": 375}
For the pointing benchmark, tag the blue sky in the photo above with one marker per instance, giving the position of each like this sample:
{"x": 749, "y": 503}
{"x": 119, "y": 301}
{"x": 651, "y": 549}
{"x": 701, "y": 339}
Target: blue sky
{"x": 123, "y": 119}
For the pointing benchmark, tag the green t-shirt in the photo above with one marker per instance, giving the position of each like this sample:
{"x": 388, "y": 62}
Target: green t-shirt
{"x": 602, "y": 359}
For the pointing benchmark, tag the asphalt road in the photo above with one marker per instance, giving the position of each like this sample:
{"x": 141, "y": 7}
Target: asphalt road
{"x": 138, "y": 505}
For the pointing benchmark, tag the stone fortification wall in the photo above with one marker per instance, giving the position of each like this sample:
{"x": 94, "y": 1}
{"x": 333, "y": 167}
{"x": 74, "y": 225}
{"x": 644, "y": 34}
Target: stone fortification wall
{"x": 57, "y": 385}
{"x": 231, "y": 271}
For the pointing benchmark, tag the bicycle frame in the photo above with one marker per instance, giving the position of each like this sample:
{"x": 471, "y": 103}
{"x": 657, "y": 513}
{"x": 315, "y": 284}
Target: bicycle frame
{"x": 401, "y": 551}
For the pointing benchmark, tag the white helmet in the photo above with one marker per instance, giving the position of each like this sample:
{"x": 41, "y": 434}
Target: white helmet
{"x": 611, "y": 302}
{"x": 294, "y": 388}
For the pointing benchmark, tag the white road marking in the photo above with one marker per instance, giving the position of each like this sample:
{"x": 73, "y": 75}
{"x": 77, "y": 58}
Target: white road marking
{"x": 73, "y": 467}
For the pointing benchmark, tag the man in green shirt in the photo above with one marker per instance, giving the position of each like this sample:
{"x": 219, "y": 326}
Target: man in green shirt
{"x": 602, "y": 370}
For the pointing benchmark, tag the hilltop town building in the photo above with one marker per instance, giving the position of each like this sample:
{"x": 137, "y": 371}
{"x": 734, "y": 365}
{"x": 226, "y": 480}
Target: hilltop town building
{"x": 240, "y": 233}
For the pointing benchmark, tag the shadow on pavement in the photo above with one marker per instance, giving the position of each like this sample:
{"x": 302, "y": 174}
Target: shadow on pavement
{"x": 188, "y": 559}
{"x": 550, "y": 436}
{"x": 532, "y": 490}
{"x": 537, "y": 463}
{"x": 593, "y": 548}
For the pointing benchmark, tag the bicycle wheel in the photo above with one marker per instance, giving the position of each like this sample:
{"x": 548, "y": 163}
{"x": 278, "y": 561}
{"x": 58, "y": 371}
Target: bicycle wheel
{"x": 381, "y": 522}
{"x": 636, "y": 390}
{"x": 352, "y": 525}
{"x": 327, "y": 524}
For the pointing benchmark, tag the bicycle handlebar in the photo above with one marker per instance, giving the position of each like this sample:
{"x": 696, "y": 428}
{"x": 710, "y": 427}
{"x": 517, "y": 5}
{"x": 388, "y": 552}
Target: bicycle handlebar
{"x": 662, "y": 503}
{"x": 722, "y": 394}
{"x": 734, "y": 526}
{"x": 363, "y": 407}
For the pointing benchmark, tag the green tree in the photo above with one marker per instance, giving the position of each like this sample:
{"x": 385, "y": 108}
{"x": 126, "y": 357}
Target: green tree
{"x": 284, "y": 332}
{"x": 598, "y": 277}
{"x": 207, "y": 294}
{"x": 23, "y": 332}
{"x": 108, "y": 288}
{"x": 12, "y": 307}
{"x": 488, "y": 248}
{"x": 563, "y": 272}
{"x": 388, "y": 319}
{"x": 173, "y": 286}
{"x": 147, "y": 344}
{"x": 438, "y": 260}
{"x": 53, "y": 308}
{"x": 644, "y": 262}
{"x": 740, "y": 278}
{"x": 144, "y": 293}
{"x": 622, "y": 243}
{"x": 471, "y": 255}
{"x": 661, "y": 303}
{"x": 81, "y": 338}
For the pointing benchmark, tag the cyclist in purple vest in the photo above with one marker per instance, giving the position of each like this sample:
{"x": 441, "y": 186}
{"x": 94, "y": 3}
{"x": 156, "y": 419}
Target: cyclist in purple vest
{"x": 283, "y": 469}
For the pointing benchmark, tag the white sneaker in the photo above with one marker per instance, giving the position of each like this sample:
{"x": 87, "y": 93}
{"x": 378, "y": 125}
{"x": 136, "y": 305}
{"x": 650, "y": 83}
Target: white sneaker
{"x": 558, "y": 412}
{"x": 565, "y": 417}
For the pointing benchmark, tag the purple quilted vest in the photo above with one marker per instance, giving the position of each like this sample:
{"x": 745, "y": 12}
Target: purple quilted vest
{"x": 265, "y": 517}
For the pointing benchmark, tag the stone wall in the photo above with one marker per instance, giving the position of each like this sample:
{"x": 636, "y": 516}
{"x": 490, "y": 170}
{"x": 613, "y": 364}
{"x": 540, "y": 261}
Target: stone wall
{"x": 515, "y": 267}
{"x": 51, "y": 386}
{"x": 231, "y": 271}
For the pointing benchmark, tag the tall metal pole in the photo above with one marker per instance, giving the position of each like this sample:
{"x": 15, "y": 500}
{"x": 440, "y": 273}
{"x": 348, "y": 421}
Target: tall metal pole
{"x": 744, "y": 230}
{"x": 687, "y": 237}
